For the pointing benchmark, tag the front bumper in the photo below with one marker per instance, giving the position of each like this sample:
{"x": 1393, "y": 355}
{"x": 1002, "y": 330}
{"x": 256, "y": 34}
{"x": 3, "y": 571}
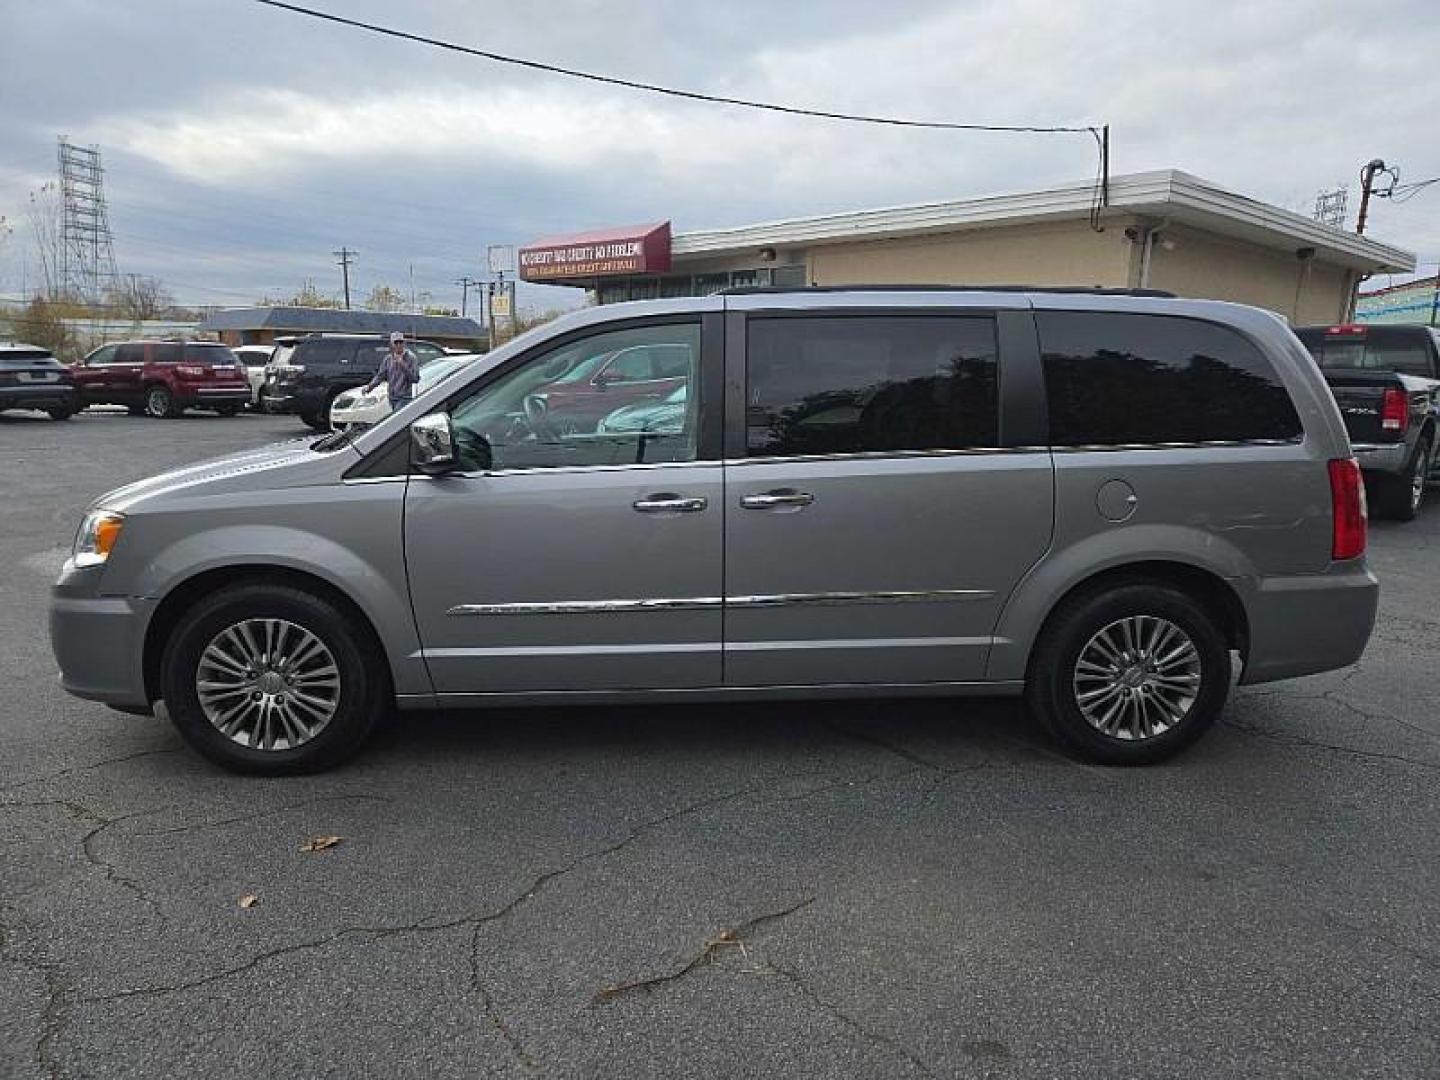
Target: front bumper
{"x": 99, "y": 641}
{"x": 1308, "y": 623}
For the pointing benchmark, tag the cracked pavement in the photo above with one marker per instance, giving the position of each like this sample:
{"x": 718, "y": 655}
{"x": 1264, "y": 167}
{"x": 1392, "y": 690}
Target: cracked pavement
{"x": 870, "y": 888}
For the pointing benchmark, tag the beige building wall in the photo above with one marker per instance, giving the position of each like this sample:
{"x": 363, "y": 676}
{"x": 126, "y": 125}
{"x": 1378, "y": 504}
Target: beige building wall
{"x": 1067, "y": 253}
{"x": 1217, "y": 268}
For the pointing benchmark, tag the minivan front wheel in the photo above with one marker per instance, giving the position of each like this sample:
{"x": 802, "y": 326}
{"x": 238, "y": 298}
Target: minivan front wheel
{"x": 271, "y": 679}
{"x": 1130, "y": 675}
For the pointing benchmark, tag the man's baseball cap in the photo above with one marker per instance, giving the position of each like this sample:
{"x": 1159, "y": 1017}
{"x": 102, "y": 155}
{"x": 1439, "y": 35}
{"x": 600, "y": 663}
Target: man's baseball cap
{"x": 396, "y": 335}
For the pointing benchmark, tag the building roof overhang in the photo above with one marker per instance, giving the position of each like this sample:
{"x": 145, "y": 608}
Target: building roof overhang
{"x": 1163, "y": 196}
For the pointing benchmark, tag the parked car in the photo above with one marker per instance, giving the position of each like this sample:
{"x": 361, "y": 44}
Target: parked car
{"x": 664, "y": 417}
{"x": 638, "y": 374}
{"x": 361, "y": 408}
{"x": 1091, "y": 499}
{"x": 321, "y": 367}
{"x": 31, "y": 378}
{"x": 163, "y": 378}
{"x": 255, "y": 358}
{"x": 1386, "y": 380}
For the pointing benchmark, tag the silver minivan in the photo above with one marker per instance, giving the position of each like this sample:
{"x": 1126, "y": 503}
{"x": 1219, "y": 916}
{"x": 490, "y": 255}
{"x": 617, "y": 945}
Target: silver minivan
{"x": 1099, "y": 500}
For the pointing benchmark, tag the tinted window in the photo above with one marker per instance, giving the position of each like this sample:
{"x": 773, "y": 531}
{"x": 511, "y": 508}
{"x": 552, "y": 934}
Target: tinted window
{"x": 167, "y": 353}
{"x": 130, "y": 354}
{"x": 325, "y": 352}
{"x": 540, "y": 416}
{"x": 1119, "y": 379}
{"x": 209, "y": 354}
{"x": 874, "y": 384}
{"x": 1378, "y": 349}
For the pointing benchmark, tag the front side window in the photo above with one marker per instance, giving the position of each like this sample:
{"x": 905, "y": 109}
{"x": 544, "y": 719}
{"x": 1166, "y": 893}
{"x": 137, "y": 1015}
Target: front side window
{"x": 1123, "y": 379}
{"x": 874, "y": 384}
{"x": 553, "y": 412}
{"x": 101, "y": 357}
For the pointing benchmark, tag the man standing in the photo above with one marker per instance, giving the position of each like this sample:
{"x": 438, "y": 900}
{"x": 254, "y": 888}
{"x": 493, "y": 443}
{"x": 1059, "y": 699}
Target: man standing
{"x": 400, "y": 371}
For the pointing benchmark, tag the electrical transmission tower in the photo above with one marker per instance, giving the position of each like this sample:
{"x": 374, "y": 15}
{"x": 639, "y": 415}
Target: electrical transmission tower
{"x": 1330, "y": 207}
{"x": 87, "y": 250}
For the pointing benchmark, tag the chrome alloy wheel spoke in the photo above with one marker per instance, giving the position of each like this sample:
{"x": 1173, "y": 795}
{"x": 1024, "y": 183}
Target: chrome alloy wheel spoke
{"x": 1137, "y": 677}
{"x": 268, "y": 684}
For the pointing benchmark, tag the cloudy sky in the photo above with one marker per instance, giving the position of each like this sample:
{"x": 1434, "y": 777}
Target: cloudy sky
{"x": 243, "y": 144}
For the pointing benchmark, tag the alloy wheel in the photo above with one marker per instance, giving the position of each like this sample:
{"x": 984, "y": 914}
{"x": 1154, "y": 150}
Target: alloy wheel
{"x": 157, "y": 402}
{"x": 268, "y": 684}
{"x": 1137, "y": 677}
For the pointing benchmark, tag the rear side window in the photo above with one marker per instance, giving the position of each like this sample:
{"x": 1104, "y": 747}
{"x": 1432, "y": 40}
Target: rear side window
{"x": 209, "y": 354}
{"x": 1377, "y": 349}
{"x": 1120, "y": 379}
{"x": 874, "y": 384}
{"x": 166, "y": 353}
{"x": 324, "y": 353}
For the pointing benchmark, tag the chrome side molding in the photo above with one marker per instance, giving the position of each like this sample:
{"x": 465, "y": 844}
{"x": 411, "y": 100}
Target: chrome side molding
{"x": 696, "y": 603}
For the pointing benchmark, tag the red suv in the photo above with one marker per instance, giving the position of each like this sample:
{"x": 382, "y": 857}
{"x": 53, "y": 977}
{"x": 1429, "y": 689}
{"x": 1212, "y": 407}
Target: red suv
{"x": 592, "y": 390}
{"x": 163, "y": 378}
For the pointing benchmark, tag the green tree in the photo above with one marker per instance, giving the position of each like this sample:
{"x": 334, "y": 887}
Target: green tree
{"x": 308, "y": 296}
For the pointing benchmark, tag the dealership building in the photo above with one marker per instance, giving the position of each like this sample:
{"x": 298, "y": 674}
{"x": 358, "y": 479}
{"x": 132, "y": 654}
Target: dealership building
{"x": 1160, "y": 230}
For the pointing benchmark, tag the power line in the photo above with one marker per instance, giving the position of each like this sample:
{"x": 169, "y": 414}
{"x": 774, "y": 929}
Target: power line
{"x": 692, "y": 95}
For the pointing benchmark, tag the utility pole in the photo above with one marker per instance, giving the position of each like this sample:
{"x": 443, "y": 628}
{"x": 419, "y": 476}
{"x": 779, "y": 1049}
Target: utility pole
{"x": 466, "y": 283}
{"x": 1367, "y": 184}
{"x": 346, "y": 257}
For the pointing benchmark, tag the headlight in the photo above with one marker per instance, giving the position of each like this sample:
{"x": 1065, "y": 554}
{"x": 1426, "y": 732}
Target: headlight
{"x": 96, "y": 537}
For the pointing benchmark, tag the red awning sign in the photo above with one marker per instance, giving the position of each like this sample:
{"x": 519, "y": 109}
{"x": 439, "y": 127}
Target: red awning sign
{"x": 640, "y": 249}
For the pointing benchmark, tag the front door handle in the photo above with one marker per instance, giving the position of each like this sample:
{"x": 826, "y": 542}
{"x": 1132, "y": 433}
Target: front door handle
{"x": 776, "y": 498}
{"x": 666, "y": 501}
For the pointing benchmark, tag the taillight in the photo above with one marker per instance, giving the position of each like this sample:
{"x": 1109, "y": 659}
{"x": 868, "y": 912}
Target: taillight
{"x": 1395, "y": 411}
{"x": 1347, "y": 509}
{"x": 191, "y": 371}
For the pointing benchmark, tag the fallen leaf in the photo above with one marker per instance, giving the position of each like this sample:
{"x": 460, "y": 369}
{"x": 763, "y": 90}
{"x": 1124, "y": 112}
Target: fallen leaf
{"x": 249, "y": 900}
{"x": 320, "y": 843}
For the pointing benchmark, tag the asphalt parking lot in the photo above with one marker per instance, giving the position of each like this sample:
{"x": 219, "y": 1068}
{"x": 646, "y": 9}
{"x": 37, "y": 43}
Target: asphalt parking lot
{"x": 859, "y": 889}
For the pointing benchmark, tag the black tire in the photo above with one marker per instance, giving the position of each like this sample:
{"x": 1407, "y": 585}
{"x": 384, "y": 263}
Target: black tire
{"x": 160, "y": 403}
{"x": 364, "y": 696}
{"x": 1050, "y": 690}
{"x": 1398, "y": 497}
{"x": 317, "y": 421}
{"x": 61, "y": 412}
{"x": 227, "y": 410}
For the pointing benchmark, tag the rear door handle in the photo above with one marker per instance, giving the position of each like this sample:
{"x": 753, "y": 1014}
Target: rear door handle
{"x": 667, "y": 502}
{"x": 776, "y": 498}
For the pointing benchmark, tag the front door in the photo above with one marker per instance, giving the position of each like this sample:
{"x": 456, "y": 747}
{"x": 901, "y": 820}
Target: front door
{"x": 875, "y": 524}
{"x": 574, "y": 560}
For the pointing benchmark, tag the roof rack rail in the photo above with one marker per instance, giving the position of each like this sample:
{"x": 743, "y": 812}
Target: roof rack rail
{"x": 1087, "y": 290}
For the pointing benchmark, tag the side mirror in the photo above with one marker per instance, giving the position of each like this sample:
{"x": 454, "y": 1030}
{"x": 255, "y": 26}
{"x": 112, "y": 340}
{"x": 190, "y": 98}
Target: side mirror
{"x": 432, "y": 444}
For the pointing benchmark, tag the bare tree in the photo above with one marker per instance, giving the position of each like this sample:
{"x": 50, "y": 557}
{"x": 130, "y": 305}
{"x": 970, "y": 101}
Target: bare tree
{"x": 43, "y": 216}
{"x": 139, "y": 297}
{"x": 308, "y": 296}
{"x": 384, "y": 298}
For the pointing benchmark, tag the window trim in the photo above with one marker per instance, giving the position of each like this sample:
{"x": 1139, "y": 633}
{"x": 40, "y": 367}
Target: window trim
{"x": 737, "y": 341}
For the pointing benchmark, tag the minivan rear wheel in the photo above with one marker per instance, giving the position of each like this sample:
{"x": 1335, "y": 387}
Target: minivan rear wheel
{"x": 1129, "y": 675}
{"x": 273, "y": 680}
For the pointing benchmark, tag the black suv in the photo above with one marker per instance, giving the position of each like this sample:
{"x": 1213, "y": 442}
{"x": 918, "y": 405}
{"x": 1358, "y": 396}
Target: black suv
{"x": 321, "y": 366}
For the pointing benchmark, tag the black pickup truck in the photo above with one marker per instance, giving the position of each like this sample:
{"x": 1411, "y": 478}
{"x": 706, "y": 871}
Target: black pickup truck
{"x": 1386, "y": 380}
